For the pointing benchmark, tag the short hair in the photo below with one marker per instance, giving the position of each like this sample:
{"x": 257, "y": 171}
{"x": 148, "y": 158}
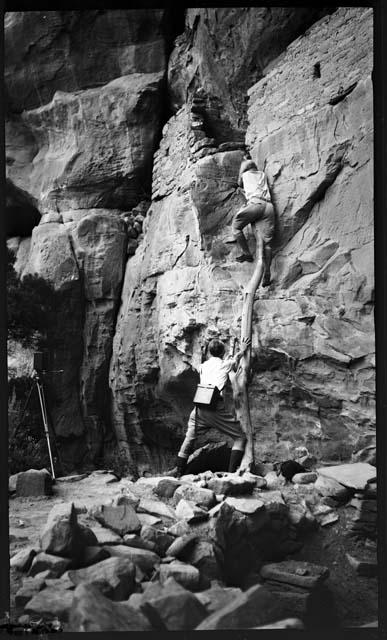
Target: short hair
{"x": 216, "y": 348}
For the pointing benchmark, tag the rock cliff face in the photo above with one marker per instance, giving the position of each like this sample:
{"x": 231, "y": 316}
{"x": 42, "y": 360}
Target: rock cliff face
{"x": 136, "y": 236}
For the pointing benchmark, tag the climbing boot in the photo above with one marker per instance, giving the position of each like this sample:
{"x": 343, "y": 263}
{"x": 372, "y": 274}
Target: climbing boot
{"x": 235, "y": 460}
{"x": 245, "y": 257}
{"x": 179, "y": 469}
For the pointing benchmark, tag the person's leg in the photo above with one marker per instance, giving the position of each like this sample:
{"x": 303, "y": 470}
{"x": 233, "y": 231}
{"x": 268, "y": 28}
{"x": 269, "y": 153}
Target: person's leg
{"x": 186, "y": 447}
{"x": 237, "y": 452}
{"x": 266, "y": 226}
{"x": 245, "y": 216}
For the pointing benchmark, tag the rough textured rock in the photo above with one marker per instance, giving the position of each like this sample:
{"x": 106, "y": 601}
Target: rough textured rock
{"x": 200, "y": 496}
{"x": 185, "y": 574}
{"x": 300, "y": 574}
{"x": 353, "y": 476}
{"x": 45, "y": 561}
{"x": 121, "y": 518}
{"x": 143, "y": 558}
{"x": 91, "y": 611}
{"x": 225, "y": 50}
{"x": 87, "y": 141}
{"x": 34, "y": 483}
{"x": 51, "y": 602}
{"x": 252, "y": 608}
{"x": 114, "y": 577}
{"x": 62, "y": 535}
{"x": 22, "y": 559}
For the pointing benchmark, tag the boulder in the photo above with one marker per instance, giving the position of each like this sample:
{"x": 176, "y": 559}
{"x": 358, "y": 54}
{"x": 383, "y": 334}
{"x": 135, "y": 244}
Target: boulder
{"x": 45, "y": 561}
{"x": 273, "y": 481}
{"x": 62, "y": 535}
{"x": 29, "y": 588}
{"x": 126, "y": 498}
{"x": 51, "y": 602}
{"x": 166, "y": 487}
{"x": 232, "y": 485}
{"x": 202, "y": 555}
{"x": 114, "y": 577}
{"x": 92, "y": 611}
{"x": 251, "y": 608}
{"x": 35, "y": 482}
{"x": 199, "y": 496}
{"x": 329, "y": 487}
{"x": 177, "y": 607}
{"x": 156, "y": 508}
{"x": 185, "y": 574}
{"x": 354, "y": 475}
{"x": 22, "y": 559}
{"x": 190, "y": 512}
{"x": 120, "y": 518}
{"x": 249, "y": 506}
{"x": 146, "y": 560}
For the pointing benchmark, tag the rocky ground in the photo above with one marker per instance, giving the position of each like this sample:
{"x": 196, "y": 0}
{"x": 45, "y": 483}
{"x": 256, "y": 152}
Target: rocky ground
{"x": 207, "y": 551}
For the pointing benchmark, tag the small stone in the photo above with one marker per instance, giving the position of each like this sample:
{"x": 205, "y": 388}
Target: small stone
{"x": 181, "y": 546}
{"x": 44, "y": 561}
{"x": 34, "y": 483}
{"x": 126, "y": 498}
{"x": 22, "y": 559}
{"x": 185, "y": 574}
{"x": 190, "y": 512}
{"x": 304, "y": 478}
{"x": 217, "y": 597}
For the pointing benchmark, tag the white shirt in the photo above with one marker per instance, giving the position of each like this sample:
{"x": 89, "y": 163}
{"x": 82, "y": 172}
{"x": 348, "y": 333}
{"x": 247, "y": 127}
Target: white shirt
{"x": 215, "y": 371}
{"x": 255, "y": 185}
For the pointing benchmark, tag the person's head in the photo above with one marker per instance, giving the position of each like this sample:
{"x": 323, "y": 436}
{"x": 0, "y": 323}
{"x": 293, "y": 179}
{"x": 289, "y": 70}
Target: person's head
{"x": 216, "y": 348}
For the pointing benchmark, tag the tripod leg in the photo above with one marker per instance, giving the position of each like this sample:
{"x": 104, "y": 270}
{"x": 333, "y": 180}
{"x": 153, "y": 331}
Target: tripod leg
{"x": 45, "y": 424}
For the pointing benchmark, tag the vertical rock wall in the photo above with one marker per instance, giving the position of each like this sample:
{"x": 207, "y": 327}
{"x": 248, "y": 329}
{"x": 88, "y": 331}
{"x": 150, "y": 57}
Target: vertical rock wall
{"x": 81, "y": 135}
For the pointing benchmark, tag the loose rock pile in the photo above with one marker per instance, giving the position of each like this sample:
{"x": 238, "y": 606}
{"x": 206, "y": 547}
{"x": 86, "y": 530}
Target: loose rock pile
{"x": 193, "y": 553}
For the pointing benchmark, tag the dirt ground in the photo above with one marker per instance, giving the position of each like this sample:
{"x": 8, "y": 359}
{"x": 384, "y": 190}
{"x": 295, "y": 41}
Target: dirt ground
{"x": 356, "y": 597}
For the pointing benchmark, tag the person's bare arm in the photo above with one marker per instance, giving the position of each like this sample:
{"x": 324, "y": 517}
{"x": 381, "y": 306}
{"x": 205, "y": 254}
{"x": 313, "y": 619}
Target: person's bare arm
{"x": 234, "y": 362}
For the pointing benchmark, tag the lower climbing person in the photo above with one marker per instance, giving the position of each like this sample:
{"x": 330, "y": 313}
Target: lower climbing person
{"x": 215, "y": 371}
{"x": 258, "y": 209}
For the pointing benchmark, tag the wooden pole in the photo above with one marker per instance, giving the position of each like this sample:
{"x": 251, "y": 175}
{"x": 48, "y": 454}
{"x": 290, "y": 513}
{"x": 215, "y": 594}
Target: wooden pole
{"x": 240, "y": 378}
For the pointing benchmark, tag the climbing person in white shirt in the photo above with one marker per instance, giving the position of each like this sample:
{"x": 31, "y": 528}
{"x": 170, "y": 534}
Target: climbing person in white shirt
{"x": 259, "y": 208}
{"x": 215, "y": 372}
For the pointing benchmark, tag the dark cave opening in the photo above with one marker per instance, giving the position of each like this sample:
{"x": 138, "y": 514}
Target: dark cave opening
{"x": 21, "y": 214}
